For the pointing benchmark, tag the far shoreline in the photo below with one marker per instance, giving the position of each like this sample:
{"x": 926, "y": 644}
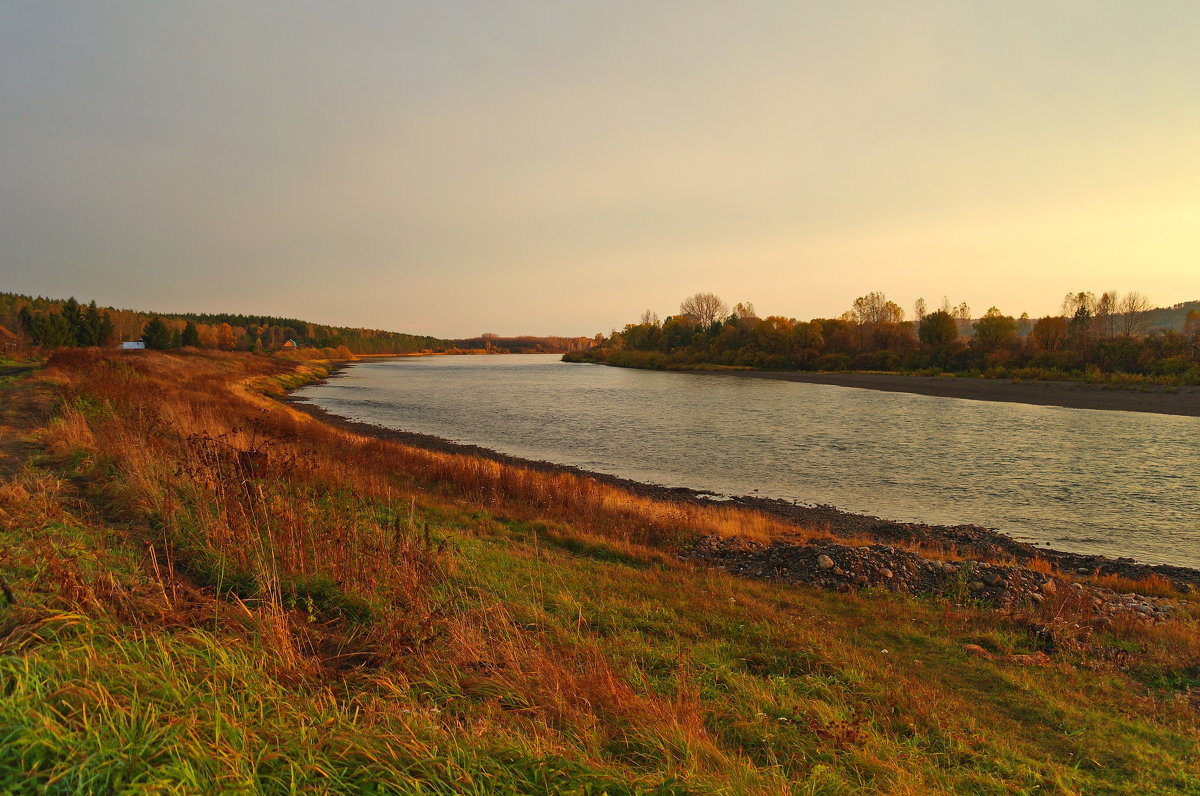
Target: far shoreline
{"x": 1153, "y": 399}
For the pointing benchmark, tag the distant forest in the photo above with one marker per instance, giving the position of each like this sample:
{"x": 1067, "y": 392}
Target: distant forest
{"x": 1110, "y": 336}
{"x": 28, "y": 323}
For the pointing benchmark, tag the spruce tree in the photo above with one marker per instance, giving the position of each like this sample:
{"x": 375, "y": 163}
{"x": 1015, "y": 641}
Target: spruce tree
{"x": 190, "y": 336}
{"x": 156, "y": 335}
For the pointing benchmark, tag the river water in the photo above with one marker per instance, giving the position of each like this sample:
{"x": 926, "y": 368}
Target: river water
{"x": 1115, "y": 483}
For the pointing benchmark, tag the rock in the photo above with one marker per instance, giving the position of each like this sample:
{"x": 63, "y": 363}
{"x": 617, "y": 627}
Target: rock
{"x": 886, "y": 573}
{"x": 992, "y": 578}
{"x": 949, "y": 568}
{"x": 1036, "y": 597}
{"x": 975, "y": 585}
{"x": 824, "y": 561}
{"x": 839, "y": 571}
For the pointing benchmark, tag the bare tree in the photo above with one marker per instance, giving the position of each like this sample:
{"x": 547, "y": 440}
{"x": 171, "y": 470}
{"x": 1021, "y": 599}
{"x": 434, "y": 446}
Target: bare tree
{"x": 1074, "y": 302}
{"x": 874, "y": 309}
{"x": 1106, "y": 313}
{"x": 962, "y": 319}
{"x": 649, "y": 318}
{"x": 1132, "y": 308}
{"x": 704, "y": 309}
{"x": 870, "y": 313}
{"x": 920, "y": 310}
{"x": 744, "y": 309}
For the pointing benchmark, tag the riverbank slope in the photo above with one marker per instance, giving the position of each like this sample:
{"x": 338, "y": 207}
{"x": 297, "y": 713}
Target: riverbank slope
{"x": 205, "y": 589}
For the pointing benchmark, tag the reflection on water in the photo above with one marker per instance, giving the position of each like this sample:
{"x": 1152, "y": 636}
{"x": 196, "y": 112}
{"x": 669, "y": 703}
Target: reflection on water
{"x": 1117, "y": 483}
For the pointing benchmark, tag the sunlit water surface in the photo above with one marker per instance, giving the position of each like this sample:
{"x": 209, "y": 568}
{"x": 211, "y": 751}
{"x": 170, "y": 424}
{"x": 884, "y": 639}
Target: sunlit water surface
{"x": 1116, "y": 483}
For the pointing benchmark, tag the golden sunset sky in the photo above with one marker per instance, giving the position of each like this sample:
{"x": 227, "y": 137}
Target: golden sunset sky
{"x": 451, "y": 168}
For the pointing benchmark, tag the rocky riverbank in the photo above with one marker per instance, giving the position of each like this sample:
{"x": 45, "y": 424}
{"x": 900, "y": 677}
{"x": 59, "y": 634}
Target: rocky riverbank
{"x": 839, "y": 567}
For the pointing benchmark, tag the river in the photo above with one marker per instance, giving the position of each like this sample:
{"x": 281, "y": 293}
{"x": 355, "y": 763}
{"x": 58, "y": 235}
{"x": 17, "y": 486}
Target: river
{"x": 1113, "y": 483}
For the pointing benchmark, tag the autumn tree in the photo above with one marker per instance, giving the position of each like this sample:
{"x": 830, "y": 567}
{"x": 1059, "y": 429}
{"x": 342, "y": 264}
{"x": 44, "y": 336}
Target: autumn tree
{"x": 1049, "y": 333}
{"x": 938, "y": 329}
{"x": 703, "y": 309}
{"x": 995, "y": 330}
{"x": 226, "y": 339}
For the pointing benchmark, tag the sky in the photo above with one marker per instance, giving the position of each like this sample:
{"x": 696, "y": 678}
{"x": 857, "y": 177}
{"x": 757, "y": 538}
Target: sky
{"x": 453, "y": 167}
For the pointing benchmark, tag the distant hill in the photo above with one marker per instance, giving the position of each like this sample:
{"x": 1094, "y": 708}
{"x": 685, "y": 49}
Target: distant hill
{"x": 52, "y": 322}
{"x": 525, "y": 344}
{"x": 1172, "y": 318}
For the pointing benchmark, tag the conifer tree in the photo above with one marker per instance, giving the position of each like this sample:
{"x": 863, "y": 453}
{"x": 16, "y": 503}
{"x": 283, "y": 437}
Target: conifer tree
{"x": 156, "y": 335}
{"x": 190, "y": 336}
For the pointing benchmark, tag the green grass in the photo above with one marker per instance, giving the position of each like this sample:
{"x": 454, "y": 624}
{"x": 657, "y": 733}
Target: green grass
{"x": 404, "y": 642}
{"x": 789, "y": 686}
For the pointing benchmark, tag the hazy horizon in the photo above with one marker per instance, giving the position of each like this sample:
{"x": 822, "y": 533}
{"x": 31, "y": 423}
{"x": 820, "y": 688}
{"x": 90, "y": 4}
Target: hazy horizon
{"x": 527, "y": 168}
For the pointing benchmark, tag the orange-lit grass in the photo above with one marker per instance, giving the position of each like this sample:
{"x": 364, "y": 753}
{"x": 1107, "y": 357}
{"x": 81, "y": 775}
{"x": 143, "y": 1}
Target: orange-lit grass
{"x": 544, "y": 621}
{"x": 191, "y": 397}
{"x": 1153, "y": 585}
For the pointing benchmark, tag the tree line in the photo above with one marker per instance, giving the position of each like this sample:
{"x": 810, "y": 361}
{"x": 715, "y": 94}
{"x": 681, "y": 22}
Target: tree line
{"x": 29, "y": 322}
{"x": 1092, "y": 335}
{"x": 52, "y": 323}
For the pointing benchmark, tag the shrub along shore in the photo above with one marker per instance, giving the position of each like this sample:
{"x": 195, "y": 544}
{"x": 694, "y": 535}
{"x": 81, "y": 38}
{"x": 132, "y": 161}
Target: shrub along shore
{"x": 207, "y": 590}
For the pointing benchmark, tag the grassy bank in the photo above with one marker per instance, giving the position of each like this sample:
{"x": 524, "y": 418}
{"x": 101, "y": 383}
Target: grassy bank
{"x": 207, "y": 591}
{"x": 658, "y": 360}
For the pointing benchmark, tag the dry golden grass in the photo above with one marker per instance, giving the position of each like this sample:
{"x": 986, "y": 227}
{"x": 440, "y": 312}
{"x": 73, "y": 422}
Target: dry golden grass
{"x": 401, "y": 602}
{"x": 1151, "y": 585}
